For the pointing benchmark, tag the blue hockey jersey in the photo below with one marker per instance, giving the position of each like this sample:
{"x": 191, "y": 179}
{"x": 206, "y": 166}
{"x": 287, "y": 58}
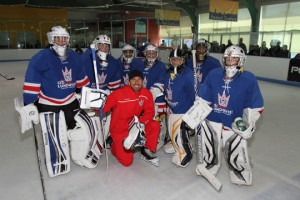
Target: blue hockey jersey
{"x": 109, "y": 77}
{"x": 51, "y": 80}
{"x": 179, "y": 90}
{"x": 125, "y": 68}
{"x": 203, "y": 69}
{"x": 229, "y": 99}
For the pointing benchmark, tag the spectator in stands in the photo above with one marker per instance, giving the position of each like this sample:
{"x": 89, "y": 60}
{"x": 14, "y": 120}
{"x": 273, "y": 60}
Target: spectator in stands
{"x": 229, "y": 43}
{"x": 264, "y": 49}
{"x": 163, "y": 43}
{"x": 284, "y": 52}
{"x": 242, "y": 45}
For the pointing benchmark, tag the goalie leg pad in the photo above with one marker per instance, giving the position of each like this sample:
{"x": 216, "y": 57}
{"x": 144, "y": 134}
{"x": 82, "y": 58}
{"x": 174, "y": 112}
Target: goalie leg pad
{"x": 56, "y": 145}
{"x": 28, "y": 114}
{"x": 211, "y": 145}
{"x": 83, "y": 141}
{"x": 180, "y": 141}
{"x": 237, "y": 158}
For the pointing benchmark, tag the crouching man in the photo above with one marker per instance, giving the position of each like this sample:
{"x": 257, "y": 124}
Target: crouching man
{"x": 132, "y": 124}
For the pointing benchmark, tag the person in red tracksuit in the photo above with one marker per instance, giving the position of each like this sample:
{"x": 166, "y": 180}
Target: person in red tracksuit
{"x": 125, "y": 103}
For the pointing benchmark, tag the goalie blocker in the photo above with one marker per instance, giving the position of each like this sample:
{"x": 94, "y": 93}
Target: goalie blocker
{"x": 93, "y": 98}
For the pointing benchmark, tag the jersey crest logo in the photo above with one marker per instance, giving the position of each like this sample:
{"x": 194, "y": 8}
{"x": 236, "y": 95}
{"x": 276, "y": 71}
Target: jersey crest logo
{"x": 126, "y": 79}
{"x": 126, "y": 67}
{"x": 199, "y": 76}
{"x": 145, "y": 82}
{"x": 102, "y": 78}
{"x": 67, "y": 74}
{"x": 170, "y": 94}
{"x": 223, "y": 99}
{"x": 141, "y": 102}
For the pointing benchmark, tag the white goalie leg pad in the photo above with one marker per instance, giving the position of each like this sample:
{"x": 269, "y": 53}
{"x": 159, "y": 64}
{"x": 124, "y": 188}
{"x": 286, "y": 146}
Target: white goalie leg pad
{"x": 56, "y": 144}
{"x": 157, "y": 90}
{"x": 197, "y": 113}
{"x": 211, "y": 145}
{"x": 28, "y": 114}
{"x": 180, "y": 141}
{"x": 83, "y": 141}
{"x": 237, "y": 158}
{"x": 93, "y": 98}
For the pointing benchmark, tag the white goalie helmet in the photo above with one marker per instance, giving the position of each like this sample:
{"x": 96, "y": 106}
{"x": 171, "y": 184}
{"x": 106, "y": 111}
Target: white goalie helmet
{"x": 58, "y": 38}
{"x": 128, "y": 53}
{"x": 151, "y": 54}
{"x": 102, "y": 39}
{"x": 234, "y": 60}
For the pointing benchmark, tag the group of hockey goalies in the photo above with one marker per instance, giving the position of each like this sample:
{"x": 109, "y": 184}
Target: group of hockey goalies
{"x": 90, "y": 102}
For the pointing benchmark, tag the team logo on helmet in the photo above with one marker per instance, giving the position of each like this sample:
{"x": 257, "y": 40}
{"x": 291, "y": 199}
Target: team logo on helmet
{"x": 67, "y": 74}
{"x": 223, "y": 99}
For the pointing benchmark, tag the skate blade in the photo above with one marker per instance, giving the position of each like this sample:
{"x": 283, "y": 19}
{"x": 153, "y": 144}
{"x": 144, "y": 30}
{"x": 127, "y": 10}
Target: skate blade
{"x": 154, "y": 161}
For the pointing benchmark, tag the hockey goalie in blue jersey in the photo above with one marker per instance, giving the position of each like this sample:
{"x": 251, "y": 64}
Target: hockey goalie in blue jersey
{"x": 108, "y": 69}
{"x": 51, "y": 79}
{"x": 236, "y": 102}
{"x": 204, "y": 62}
{"x": 179, "y": 94}
{"x": 128, "y": 61}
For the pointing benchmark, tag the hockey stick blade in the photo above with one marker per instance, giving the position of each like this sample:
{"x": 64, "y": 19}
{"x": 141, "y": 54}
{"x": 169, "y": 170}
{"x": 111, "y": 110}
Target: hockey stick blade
{"x": 214, "y": 181}
{"x": 7, "y": 78}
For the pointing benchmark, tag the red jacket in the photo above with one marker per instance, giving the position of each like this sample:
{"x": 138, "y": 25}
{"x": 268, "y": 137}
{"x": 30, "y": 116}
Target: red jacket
{"x": 125, "y": 103}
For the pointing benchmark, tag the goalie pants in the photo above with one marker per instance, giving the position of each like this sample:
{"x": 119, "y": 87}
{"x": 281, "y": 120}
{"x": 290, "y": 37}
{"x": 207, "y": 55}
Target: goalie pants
{"x": 69, "y": 110}
{"x": 125, "y": 157}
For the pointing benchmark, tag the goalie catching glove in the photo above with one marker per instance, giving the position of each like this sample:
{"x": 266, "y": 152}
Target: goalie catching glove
{"x": 93, "y": 98}
{"x": 28, "y": 114}
{"x": 245, "y": 126}
{"x": 136, "y": 134}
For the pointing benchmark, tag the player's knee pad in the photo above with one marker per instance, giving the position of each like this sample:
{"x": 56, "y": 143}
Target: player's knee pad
{"x": 85, "y": 147}
{"x": 180, "y": 141}
{"x": 211, "y": 145}
{"x": 56, "y": 145}
{"x": 237, "y": 158}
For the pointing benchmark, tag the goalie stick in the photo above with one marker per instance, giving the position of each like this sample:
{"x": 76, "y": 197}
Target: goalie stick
{"x": 12, "y": 78}
{"x": 200, "y": 168}
{"x": 39, "y": 162}
{"x": 101, "y": 114}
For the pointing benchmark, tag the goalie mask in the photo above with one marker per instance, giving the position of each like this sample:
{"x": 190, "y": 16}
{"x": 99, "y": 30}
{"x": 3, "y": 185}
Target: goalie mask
{"x": 102, "y": 43}
{"x": 234, "y": 59}
{"x": 151, "y": 54}
{"x": 176, "y": 60}
{"x": 58, "y": 38}
{"x": 128, "y": 53}
{"x": 202, "y": 49}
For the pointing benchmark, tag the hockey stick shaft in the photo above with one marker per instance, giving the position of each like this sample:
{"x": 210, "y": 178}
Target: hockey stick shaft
{"x": 95, "y": 64}
{"x": 39, "y": 162}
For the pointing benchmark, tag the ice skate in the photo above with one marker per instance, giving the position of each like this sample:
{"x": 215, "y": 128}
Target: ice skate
{"x": 149, "y": 156}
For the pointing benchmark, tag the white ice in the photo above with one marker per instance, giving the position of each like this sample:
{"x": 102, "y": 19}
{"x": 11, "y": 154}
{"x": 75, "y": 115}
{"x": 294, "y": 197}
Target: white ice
{"x": 274, "y": 151}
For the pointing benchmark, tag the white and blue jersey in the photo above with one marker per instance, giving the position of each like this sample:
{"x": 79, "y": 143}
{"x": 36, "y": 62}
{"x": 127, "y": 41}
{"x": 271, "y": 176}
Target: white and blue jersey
{"x": 109, "y": 77}
{"x": 179, "y": 90}
{"x": 125, "y": 68}
{"x": 203, "y": 68}
{"x": 229, "y": 99}
{"x": 51, "y": 80}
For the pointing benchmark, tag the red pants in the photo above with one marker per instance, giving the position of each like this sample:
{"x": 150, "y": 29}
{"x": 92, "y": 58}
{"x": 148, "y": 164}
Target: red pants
{"x": 125, "y": 157}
